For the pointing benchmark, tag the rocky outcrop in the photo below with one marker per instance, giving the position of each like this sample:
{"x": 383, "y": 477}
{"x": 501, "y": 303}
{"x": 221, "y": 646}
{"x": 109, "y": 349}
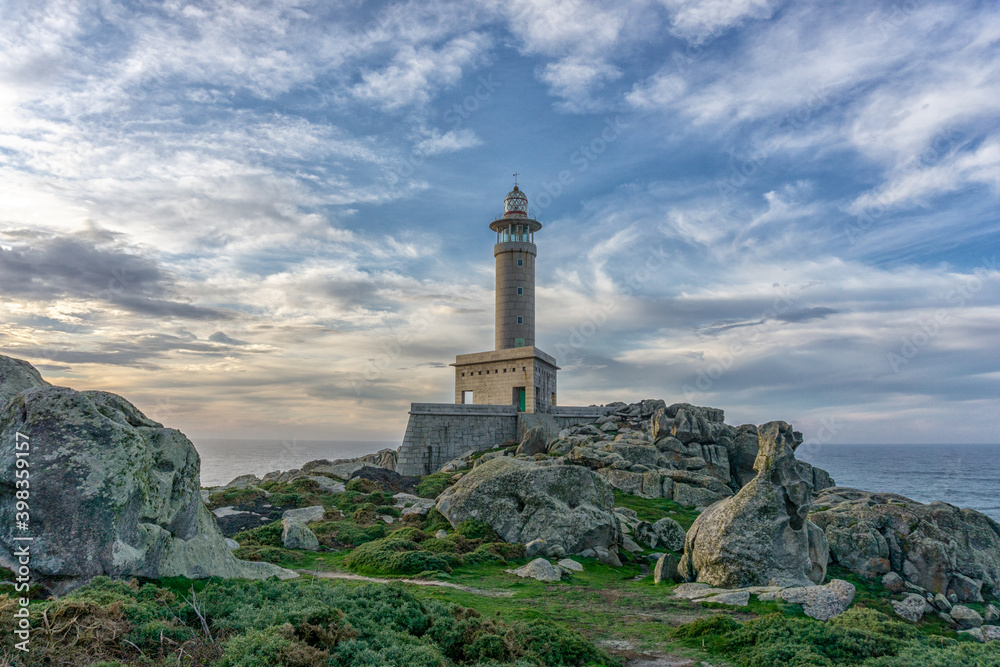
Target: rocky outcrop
{"x": 642, "y": 448}
{"x": 112, "y": 493}
{"x": 762, "y": 535}
{"x": 567, "y": 506}
{"x": 936, "y": 546}
{"x": 533, "y": 442}
{"x": 664, "y": 534}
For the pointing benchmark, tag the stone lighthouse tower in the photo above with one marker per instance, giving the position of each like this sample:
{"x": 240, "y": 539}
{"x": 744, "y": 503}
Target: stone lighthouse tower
{"x": 515, "y": 253}
{"x": 515, "y": 371}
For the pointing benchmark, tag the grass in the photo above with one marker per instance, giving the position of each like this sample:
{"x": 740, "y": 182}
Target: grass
{"x": 654, "y": 509}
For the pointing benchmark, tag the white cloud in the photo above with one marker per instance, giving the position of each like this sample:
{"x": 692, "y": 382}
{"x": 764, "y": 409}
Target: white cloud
{"x": 416, "y": 73}
{"x": 449, "y": 142}
{"x": 698, "y": 20}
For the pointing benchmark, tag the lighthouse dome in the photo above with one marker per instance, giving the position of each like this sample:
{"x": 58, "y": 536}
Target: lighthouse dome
{"x": 516, "y": 203}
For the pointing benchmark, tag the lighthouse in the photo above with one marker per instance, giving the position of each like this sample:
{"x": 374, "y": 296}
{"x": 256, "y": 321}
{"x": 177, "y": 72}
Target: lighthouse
{"x": 515, "y": 371}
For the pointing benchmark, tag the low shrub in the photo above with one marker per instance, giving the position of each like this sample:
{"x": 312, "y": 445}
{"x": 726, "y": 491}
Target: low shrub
{"x": 268, "y": 535}
{"x": 394, "y": 556}
{"x": 474, "y": 529}
{"x": 431, "y": 486}
{"x": 235, "y": 497}
{"x": 362, "y": 485}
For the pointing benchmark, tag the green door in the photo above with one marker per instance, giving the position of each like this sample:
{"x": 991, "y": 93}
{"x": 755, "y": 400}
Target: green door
{"x": 522, "y": 397}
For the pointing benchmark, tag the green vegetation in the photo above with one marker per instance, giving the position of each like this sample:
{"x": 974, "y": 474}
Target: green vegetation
{"x": 859, "y": 636}
{"x": 654, "y": 509}
{"x": 286, "y": 624}
{"x": 235, "y": 497}
{"x": 432, "y": 485}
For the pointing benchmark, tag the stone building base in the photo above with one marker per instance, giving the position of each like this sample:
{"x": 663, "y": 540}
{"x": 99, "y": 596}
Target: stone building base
{"x": 439, "y": 432}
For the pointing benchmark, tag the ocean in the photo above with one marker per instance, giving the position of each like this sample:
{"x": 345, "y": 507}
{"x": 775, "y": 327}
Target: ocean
{"x": 222, "y": 460}
{"x": 962, "y": 475}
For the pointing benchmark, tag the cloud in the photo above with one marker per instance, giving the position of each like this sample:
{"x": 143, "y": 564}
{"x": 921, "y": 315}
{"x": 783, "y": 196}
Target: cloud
{"x": 91, "y": 265}
{"x": 415, "y": 73}
{"x": 449, "y": 142}
{"x": 220, "y": 337}
{"x": 698, "y": 20}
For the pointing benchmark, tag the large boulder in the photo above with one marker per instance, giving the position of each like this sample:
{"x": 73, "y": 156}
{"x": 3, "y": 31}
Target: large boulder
{"x": 761, "y": 536}
{"x": 533, "y": 442}
{"x": 112, "y": 493}
{"x": 17, "y": 375}
{"x": 936, "y": 546}
{"x": 565, "y": 505}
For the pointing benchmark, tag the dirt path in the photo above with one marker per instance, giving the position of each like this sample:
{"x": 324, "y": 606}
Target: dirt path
{"x": 417, "y": 582}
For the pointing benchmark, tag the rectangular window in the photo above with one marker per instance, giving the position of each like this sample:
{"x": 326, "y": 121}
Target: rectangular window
{"x": 520, "y": 291}
{"x": 466, "y": 397}
{"x": 487, "y": 372}
{"x": 505, "y": 370}
{"x": 520, "y": 320}
{"x": 520, "y": 262}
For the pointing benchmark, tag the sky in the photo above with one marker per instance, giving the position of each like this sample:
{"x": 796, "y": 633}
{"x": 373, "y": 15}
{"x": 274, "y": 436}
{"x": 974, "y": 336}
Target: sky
{"x": 270, "y": 219}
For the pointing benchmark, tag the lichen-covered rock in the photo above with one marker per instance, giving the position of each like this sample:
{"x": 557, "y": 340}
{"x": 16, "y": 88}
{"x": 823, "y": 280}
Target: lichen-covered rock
{"x": 17, "y": 375}
{"x": 532, "y": 443}
{"x": 822, "y": 602}
{"x": 937, "y": 546}
{"x": 664, "y": 534}
{"x": 665, "y": 569}
{"x": 965, "y": 617}
{"x": 296, "y": 535}
{"x": 112, "y": 493}
{"x": 912, "y": 607}
{"x": 761, "y": 536}
{"x": 564, "y": 505}
{"x": 539, "y": 569}
{"x": 305, "y": 514}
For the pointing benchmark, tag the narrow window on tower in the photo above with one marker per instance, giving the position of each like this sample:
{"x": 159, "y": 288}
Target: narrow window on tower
{"x": 520, "y": 291}
{"x": 520, "y": 262}
{"x": 520, "y": 320}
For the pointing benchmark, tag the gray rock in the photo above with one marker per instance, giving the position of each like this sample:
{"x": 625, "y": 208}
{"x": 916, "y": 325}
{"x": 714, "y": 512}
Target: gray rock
{"x": 539, "y": 569}
{"x": 607, "y": 556}
{"x": 305, "y": 514}
{"x": 912, "y": 607}
{"x": 665, "y": 569}
{"x": 532, "y": 443}
{"x": 327, "y": 485}
{"x": 296, "y": 535}
{"x": 17, "y": 375}
{"x": 965, "y": 617}
{"x": 693, "y": 496}
{"x": 440, "y": 534}
{"x": 536, "y": 548}
{"x": 232, "y": 544}
{"x": 692, "y": 591}
{"x": 570, "y": 564}
{"x": 761, "y": 536}
{"x": 664, "y": 534}
{"x": 115, "y": 493}
{"x": 893, "y": 582}
{"x": 738, "y": 598}
{"x": 822, "y": 602}
{"x": 992, "y": 614}
{"x": 965, "y": 588}
{"x": 565, "y": 505}
{"x": 976, "y": 633}
{"x": 629, "y": 545}
{"x": 243, "y": 482}
{"x": 991, "y": 633}
{"x": 941, "y": 603}
{"x": 940, "y": 547}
